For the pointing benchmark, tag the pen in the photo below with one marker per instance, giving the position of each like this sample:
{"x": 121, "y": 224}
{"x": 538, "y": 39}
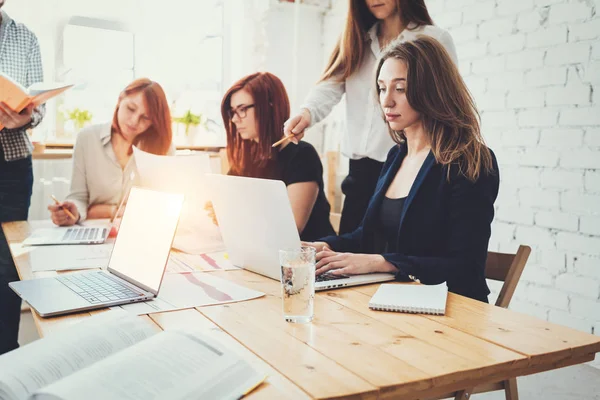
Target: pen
{"x": 63, "y": 208}
{"x": 277, "y": 143}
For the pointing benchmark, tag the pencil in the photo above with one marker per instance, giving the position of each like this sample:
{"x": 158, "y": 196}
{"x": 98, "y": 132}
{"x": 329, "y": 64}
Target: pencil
{"x": 277, "y": 143}
{"x": 63, "y": 208}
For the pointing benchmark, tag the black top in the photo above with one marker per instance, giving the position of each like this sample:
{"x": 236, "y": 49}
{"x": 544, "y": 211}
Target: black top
{"x": 445, "y": 225}
{"x": 301, "y": 163}
{"x": 389, "y": 221}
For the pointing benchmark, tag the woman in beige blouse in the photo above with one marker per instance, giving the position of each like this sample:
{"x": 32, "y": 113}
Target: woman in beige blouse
{"x": 102, "y": 158}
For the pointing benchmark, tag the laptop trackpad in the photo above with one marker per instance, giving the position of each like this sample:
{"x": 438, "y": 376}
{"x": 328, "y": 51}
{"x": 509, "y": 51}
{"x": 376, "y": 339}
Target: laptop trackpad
{"x": 48, "y": 296}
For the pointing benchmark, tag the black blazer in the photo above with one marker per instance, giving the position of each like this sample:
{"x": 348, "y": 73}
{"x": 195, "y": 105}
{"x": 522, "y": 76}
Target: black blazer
{"x": 444, "y": 230}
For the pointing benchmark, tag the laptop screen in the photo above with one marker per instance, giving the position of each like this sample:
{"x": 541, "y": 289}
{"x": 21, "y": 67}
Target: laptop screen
{"x": 145, "y": 236}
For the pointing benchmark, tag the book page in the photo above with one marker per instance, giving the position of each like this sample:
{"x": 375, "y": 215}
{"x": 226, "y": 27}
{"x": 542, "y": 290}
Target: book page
{"x": 12, "y": 94}
{"x": 56, "y": 356}
{"x": 171, "y": 365}
{"x": 40, "y": 96}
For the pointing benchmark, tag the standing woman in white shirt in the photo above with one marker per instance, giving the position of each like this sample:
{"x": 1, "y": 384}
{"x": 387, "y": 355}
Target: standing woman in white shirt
{"x": 103, "y": 166}
{"x": 370, "y": 26}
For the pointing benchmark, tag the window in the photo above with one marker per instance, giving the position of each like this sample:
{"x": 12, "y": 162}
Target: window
{"x": 99, "y": 57}
{"x": 178, "y": 44}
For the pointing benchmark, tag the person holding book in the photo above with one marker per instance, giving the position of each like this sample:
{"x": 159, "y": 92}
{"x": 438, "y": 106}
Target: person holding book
{"x": 103, "y": 166}
{"x": 430, "y": 217}
{"x": 20, "y": 59}
{"x": 370, "y": 26}
{"x": 253, "y": 111}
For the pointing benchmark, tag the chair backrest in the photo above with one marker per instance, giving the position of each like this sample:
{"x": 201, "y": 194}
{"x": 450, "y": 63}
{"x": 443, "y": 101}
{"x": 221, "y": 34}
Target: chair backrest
{"x": 506, "y": 268}
{"x": 224, "y": 161}
{"x": 331, "y": 188}
{"x": 335, "y": 218}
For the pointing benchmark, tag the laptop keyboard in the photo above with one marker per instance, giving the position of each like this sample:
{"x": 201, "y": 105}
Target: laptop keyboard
{"x": 97, "y": 287}
{"x": 82, "y": 234}
{"x": 329, "y": 277}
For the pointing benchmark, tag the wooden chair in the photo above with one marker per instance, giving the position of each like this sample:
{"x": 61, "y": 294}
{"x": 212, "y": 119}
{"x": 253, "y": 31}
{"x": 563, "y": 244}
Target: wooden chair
{"x": 224, "y": 161}
{"x": 505, "y": 268}
{"x": 332, "y": 159}
{"x": 335, "y": 218}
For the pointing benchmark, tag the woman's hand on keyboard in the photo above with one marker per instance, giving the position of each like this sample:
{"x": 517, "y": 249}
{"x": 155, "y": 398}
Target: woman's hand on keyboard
{"x": 60, "y": 217}
{"x": 351, "y": 263}
{"x": 318, "y": 246}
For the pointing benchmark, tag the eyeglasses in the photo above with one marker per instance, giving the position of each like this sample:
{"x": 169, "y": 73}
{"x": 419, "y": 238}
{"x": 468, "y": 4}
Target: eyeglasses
{"x": 241, "y": 111}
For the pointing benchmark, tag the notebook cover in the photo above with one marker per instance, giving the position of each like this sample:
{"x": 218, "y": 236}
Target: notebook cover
{"x": 419, "y": 299}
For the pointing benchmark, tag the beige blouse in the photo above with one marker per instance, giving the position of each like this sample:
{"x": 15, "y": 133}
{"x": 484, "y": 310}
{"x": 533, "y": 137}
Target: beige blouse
{"x": 97, "y": 176}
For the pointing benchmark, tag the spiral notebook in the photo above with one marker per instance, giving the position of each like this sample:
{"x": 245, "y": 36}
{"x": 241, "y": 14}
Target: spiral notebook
{"x": 417, "y": 299}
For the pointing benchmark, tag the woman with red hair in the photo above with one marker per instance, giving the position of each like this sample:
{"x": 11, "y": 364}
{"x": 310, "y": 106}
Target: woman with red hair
{"x": 102, "y": 162}
{"x": 254, "y": 110}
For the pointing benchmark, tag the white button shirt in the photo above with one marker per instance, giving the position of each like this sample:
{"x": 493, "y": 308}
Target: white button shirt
{"x": 366, "y": 133}
{"x": 97, "y": 175}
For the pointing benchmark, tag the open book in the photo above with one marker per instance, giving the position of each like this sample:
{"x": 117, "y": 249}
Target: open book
{"x": 123, "y": 357}
{"x": 17, "y": 97}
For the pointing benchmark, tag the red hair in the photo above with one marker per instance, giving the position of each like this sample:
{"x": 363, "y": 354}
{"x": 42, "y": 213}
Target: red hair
{"x": 157, "y": 138}
{"x": 272, "y": 109}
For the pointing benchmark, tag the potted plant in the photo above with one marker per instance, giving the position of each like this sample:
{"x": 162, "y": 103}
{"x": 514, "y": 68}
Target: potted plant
{"x": 79, "y": 118}
{"x": 190, "y": 119}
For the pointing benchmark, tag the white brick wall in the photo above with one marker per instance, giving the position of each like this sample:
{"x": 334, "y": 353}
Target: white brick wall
{"x": 533, "y": 67}
{"x": 541, "y": 60}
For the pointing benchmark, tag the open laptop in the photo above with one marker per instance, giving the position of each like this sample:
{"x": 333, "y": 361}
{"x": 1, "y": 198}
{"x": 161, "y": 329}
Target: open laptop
{"x": 136, "y": 267}
{"x": 77, "y": 234}
{"x": 256, "y": 221}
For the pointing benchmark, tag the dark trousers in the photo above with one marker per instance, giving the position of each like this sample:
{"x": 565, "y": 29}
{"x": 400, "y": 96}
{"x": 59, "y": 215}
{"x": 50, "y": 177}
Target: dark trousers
{"x": 358, "y": 187}
{"x": 16, "y": 181}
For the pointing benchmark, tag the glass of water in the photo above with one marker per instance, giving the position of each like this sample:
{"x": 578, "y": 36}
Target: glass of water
{"x": 298, "y": 283}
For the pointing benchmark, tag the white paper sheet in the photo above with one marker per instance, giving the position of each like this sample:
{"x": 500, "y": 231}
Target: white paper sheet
{"x": 196, "y": 232}
{"x": 60, "y": 258}
{"x": 189, "y": 290}
{"x": 182, "y": 262}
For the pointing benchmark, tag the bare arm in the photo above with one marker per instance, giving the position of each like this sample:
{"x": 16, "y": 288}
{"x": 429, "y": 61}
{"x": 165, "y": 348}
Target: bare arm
{"x": 303, "y": 196}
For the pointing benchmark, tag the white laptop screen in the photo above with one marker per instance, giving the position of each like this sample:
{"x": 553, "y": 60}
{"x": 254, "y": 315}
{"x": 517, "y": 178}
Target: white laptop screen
{"x": 145, "y": 236}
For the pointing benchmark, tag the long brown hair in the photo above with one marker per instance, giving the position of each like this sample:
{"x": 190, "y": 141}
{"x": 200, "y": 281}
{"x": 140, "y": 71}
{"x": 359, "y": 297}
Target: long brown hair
{"x": 349, "y": 50}
{"x": 272, "y": 109}
{"x": 157, "y": 138}
{"x": 435, "y": 89}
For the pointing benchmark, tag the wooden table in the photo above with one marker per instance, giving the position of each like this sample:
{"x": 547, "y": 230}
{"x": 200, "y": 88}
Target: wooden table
{"x": 350, "y": 351}
{"x": 53, "y": 154}
{"x": 69, "y": 146}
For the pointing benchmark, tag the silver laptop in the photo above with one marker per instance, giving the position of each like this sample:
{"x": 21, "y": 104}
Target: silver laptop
{"x": 78, "y": 234}
{"x": 75, "y": 234}
{"x": 256, "y": 220}
{"x": 136, "y": 267}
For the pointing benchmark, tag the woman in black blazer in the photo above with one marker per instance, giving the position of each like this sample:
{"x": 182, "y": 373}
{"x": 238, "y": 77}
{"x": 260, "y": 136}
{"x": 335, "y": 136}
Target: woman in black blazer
{"x": 430, "y": 216}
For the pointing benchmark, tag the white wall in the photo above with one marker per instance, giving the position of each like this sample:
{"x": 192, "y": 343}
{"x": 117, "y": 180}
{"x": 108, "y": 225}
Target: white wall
{"x": 292, "y": 50}
{"x": 533, "y": 67}
{"x": 164, "y": 40}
